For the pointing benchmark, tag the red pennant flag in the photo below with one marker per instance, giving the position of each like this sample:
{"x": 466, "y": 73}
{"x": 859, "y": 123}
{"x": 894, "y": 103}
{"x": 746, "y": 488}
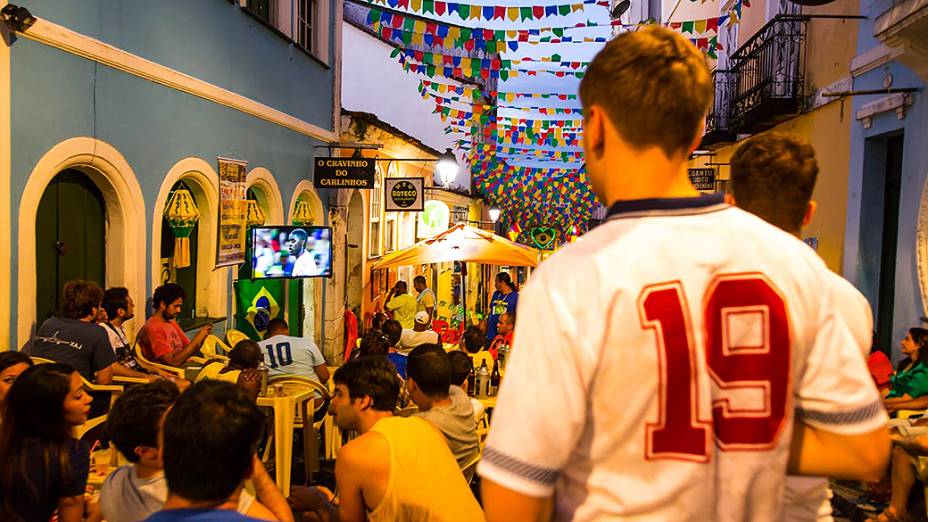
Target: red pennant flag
{"x": 712, "y": 24}
{"x": 431, "y": 28}
{"x": 403, "y": 3}
{"x": 469, "y": 45}
{"x": 495, "y": 64}
{"x": 559, "y": 74}
{"x": 439, "y": 8}
{"x": 457, "y": 72}
{"x": 676, "y": 25}
{"x": 499, "y": 12}
{"x": 485, "y": 74}
{"x": 418, "y": 55}
{"x": 447, "y": 59}
{"x": 538, "y": 11}
{"x": 702, "y": 43}
{"x": 397, "y": 22}
{"x": 488, "y": 34}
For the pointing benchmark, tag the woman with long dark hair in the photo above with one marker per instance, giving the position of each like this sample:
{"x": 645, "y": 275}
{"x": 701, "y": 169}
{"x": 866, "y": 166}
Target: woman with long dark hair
{"x": 910, "y": 379}
{"x": 12, "y": 364}
{"x": 42, "y": 467}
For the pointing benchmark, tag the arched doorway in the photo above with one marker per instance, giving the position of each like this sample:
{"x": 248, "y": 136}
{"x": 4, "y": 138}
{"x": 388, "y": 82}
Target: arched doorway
{"x": 354, "y": 279}
{"x": 311, "y": 289}
{"x": 186, "y": 276}
{"x": 70, "y": 238}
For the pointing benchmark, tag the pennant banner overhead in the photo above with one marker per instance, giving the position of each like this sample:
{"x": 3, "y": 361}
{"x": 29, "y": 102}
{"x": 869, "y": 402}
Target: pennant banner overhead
{"x": 489, "y": 12}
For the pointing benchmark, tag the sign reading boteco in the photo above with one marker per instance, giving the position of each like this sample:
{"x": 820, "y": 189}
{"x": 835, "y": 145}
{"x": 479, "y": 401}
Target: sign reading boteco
{"x": 404, "y": 194}
{"x": 344, "y": 173}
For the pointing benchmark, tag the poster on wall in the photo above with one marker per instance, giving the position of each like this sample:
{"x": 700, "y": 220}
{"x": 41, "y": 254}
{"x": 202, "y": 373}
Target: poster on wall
{"x": 703, "y": 180}
{"x": 230, "y": 247}
{"x": 404, "y": 194}
{"x": 434, "y": 219}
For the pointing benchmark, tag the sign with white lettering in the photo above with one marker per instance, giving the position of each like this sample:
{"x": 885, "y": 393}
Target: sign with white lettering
{"x": 344, "y": 173}
{"x": 703, "y": 180}
{"x": 404, "y": 194}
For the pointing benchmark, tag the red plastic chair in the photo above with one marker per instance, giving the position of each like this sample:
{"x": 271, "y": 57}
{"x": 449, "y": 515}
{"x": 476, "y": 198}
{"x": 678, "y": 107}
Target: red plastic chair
{"x": 440, "y": 326}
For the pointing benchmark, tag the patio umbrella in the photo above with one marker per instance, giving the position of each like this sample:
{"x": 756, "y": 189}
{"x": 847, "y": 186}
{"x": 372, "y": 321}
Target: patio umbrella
{"x": 462, "y": 243}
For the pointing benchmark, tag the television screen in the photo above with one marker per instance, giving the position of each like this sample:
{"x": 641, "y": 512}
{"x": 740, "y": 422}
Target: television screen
{"x": 292, "y": 251}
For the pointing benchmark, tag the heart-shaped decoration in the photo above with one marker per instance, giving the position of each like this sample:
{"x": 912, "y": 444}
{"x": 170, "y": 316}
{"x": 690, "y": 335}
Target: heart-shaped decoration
{"x": 543, "y": 236}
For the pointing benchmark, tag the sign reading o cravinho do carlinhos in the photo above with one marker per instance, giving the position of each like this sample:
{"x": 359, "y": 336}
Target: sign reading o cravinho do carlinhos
{"x": 343, "y": 173}
{"x": 404, "y": 194}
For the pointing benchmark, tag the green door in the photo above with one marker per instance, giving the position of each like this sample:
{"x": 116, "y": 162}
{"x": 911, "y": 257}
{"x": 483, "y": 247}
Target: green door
{"x": 185, "y": 277}
{"x": 70, "y": 232}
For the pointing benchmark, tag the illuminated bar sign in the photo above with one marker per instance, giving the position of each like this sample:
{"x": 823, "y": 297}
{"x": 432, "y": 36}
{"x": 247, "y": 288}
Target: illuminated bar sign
{"x": 703, "y": 180}
{"x": 344, "y": 173}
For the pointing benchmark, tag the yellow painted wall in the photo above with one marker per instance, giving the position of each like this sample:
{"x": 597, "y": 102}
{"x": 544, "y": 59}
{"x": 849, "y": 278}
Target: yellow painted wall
{"x": 825, "y": 129}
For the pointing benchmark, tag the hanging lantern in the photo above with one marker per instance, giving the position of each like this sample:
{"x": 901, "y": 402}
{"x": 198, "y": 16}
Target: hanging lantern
{"x": 254, "y": 216}
{"x": 302, "y": 214}
{"x": 182, "y": 215}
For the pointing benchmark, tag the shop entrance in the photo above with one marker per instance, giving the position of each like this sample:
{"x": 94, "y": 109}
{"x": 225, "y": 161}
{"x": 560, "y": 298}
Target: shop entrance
{"x": 185, "y": 277}
{"x": 354, "y": 279}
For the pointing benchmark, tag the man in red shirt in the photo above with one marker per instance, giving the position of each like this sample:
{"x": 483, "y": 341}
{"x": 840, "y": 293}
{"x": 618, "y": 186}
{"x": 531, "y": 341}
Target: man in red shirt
{"x": 162, "y": 339}
{"x": 504, "y": 328}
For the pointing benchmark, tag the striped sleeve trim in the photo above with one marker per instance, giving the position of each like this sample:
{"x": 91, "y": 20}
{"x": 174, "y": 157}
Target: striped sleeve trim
{"x": 857, "y": 416}
{"x": 515, "y": 466}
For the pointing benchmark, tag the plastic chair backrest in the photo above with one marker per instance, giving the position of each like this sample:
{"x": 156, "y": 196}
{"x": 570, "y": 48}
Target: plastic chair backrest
{"x": 145, "y": 362}
{"x": 234, "y": 337}
{"x": 211, "y": 346}
{"x": 293, "y": 383}
{"x": 440, "y": 326}
{"x": 211, "y": 372}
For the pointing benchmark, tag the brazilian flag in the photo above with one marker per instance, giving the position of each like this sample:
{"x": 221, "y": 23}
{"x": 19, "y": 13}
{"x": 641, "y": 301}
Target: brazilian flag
{"x": 259, "y": 301}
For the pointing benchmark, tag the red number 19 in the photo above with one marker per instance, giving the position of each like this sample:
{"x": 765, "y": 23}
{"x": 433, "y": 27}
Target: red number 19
{"x": 764, "y": 367}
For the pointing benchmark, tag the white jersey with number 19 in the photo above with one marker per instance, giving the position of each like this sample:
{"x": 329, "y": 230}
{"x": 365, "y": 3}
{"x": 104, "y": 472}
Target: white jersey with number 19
{"x": 657, "y": 364}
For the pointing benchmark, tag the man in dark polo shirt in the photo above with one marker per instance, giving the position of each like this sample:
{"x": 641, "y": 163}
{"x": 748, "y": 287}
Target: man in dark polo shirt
{"x": 72, "y": 338}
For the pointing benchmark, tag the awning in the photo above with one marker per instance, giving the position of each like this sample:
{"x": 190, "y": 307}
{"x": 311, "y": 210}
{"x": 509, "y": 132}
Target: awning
{"x": 462, "y": 243}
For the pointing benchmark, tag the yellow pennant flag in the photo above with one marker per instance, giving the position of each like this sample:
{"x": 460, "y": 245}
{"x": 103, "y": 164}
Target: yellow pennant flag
{"x": 465, "y": 64}
{"x": 576, "y": 7}
{"x": 454, "y": 33}
{"x": 699, "y": 26}
{"x": 512, "y": 13}
{"x": 475, "y": 12}
{"x": 418, "y": 39}
{"x": 416, "y": 5}
{"x": 419, "y": 26}
{"x": 513, "y": 33}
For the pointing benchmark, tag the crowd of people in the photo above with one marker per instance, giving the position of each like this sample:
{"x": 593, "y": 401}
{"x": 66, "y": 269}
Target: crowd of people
{"x": 689, "y": 339}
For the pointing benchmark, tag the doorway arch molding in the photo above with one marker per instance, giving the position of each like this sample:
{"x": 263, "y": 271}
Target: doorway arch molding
{"x": 125, "y": 220}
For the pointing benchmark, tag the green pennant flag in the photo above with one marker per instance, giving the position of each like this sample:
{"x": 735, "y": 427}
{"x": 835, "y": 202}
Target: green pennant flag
{"x": 428, "y": 6}
{"x": 559, "y": 31}
{"x": 409, "y": 24}
{"x": 395, "y": 52}
{"x": 465, "y": 33}
{"x": 563, "y": 10}
{"x": 430, "y": 70}
{"x": 555, "y": 57}
{"x": 545, "y": 39}
{"x": 499, "y": 34}
{"x": 406, "y": 37}
{"x": 464, "y": 11}
{"x": 525, "y": 13}
{"x": 503, "y": 74}
{"x": 374, "y": 15}
{"x": 445, "y": 111}
{"x": 687, "y": 26}
{"x": 505, "y": 65}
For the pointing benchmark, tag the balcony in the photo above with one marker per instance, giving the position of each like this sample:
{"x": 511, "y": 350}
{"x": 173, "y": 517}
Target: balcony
{"x": 769, "y": 76}
{"x": 718, "y": 124}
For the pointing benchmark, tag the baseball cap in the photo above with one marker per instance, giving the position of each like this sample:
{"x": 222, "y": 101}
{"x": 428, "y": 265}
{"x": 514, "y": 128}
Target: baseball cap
{"x": 422, "y": 317}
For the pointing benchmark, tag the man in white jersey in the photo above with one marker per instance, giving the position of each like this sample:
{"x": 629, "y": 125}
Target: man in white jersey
{"x": 772, "y": 177}
{"x": 657, "y": 363}
{"x": 288, "y": 355}
{"x": 301, "y": 247}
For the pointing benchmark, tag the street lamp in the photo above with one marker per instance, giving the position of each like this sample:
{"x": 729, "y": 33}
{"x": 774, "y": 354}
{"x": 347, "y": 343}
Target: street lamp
{"x": 447, "y": 167}
{"x": 494, "y": 214}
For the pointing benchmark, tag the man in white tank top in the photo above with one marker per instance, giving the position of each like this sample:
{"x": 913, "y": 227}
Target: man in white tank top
{"x": 772, "y": 177}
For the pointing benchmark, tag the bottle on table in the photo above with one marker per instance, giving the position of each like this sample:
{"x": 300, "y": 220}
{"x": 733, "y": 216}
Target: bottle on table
{"x": 494, "y": 380}
{"x": 483, "y": 381}
{"x": 471, "y": 382}
{"x": 262, "y": 377}
{"x": 503, "y": 356}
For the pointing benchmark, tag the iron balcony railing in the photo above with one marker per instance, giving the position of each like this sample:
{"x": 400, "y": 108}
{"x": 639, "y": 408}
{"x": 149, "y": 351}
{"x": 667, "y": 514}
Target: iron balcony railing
{"x": 718, "y": 124}
{"x": 769, "y": 72}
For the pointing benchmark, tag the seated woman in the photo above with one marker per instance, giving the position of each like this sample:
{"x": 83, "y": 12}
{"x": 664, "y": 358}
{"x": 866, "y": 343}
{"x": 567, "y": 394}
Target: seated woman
{"x": 12, "y": 364}
{"x": 910, "y": 381}
{"x": 42, "y": 468}
{"x": 242, "y": 368}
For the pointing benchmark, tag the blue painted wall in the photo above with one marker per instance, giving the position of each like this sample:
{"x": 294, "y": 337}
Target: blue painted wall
{"x": 861, "y": 262}
{"x": 56, "y": 95}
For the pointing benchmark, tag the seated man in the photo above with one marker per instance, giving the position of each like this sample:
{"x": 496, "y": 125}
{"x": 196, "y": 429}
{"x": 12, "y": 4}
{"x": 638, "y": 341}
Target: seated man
{"x": 162, "y": 339}
{"x": 288, "y": 355}
{"x": 72, "y": 338}
{"x": 420, "y": 333}
{"x": 210, "y": 439}
{"x": 394, "y": 331}
{"x": 427, "y": 486}
{"x": 473, "y": 340}
{"x": 137, "y": 490}
{"x": 504, "y": 329}
{"x": 461, "y": 367}
{"x": 445, "y": 406}
{"x": 242, "y": 368}
{"x": 119, "y": 308}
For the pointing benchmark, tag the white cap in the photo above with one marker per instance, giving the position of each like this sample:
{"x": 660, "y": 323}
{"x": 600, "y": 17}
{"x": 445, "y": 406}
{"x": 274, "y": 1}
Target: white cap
{"x": 422, "y": 317}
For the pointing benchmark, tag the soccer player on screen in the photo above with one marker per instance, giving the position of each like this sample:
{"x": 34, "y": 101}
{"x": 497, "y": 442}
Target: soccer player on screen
{"x": 301, "y": 247}
{"x": 678, "y": 361}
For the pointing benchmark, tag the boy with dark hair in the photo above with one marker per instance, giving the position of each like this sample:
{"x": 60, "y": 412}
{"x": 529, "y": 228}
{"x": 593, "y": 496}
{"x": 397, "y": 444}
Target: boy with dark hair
{"x": 444, "y": 405}
{"x": 210, "y": 438}
{"x": 162, "y": 339}
{"x": 427, "y": 486}
{"x": 461, "y": 366}
{"x": 72, "y": 338}
{"x": 242, "y": 368}
{"x": 135, "y": 491}
{"x": 119, "y": 308}
{"x": 473, "y": 339}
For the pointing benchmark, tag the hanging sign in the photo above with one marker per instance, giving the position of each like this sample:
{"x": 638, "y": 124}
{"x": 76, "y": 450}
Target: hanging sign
{"x": 404, "y": 194}
{"x": 434, "y": 218}
{"x": 230, "y": 247}
{"x": 703, "y": 180}
{"x": 344, "y": 173}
